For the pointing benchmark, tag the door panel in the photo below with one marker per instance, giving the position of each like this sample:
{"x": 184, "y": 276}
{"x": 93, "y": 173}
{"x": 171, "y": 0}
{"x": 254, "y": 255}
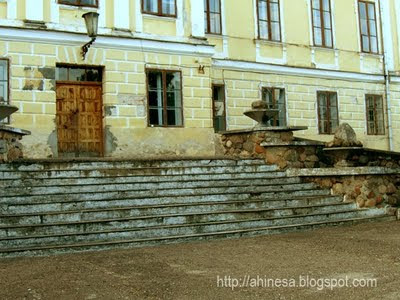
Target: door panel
{"x": 79, "y": 120}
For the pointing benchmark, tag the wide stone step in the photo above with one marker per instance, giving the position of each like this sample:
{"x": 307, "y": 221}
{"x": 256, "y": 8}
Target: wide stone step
{"x": 128, "y": 243}
{"x": 110, "y": 234}
{"x": 50, "y": 182}
{"x": 173, "y": 192}
{"x": 135, "y": 171}
{"x": 22, "y": 207}
{"x": 134, "y": 186}
{"x": 38, "y": 165}
{"x": 163, "y": 220}
{"x": 286, "y": 206}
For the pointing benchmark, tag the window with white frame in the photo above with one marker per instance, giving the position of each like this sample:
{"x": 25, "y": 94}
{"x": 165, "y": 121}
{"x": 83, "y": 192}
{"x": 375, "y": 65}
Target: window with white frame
{"x": 212, "y": 16}
{"x": 269, "y": 24}
{"x": 368, "y": 28}
{"x": 322, "y": 23}
{"x": 166, "y": 8}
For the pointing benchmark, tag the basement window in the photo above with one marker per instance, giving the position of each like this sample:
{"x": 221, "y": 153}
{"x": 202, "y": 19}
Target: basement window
{"x": 164, "y": 8}
{"x": 89, "y": 3}
{"x": 275, "y": 98}
{"x": 375, "y": 115}
{"x": 164, "y": 94}
{"x": 219, "y": 112}
{"x": 328, "y": 116}
{"x": 4, "y": 88}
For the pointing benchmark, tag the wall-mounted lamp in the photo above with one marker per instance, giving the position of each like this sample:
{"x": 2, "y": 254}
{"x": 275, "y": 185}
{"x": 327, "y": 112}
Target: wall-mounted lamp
{"x": 92, "y": 24}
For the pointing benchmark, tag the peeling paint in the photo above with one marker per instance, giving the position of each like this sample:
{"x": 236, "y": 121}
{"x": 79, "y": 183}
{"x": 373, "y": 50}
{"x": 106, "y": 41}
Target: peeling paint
{"x": 110, "y": 110}
{"x": 48, "y": 73}
{"x": 52, "y": 142}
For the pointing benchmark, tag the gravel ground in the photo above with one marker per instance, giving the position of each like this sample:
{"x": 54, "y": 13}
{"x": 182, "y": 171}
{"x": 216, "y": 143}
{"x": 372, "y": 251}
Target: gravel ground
{"x": 211, "y": 270}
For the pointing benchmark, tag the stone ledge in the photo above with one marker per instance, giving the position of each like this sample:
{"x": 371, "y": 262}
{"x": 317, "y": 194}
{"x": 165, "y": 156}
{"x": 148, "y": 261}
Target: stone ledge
{"x": 320, "y": 172}
{"x": 292, "y": 143}
{"x": 14, "y": 130}
{"x": 265, "y": 129}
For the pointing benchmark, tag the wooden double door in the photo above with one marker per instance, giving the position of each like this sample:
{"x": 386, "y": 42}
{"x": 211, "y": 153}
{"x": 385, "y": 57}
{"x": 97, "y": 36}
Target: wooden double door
{"x": 79, "y": 119}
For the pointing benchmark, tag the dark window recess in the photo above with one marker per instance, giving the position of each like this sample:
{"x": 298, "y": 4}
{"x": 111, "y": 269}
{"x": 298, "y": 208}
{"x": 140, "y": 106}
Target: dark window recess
{"x": 368, "y": 31}
{"x": 92, "y": 3}
{"x": 164, "y": 98}
{"x": 322, "y": 23}
{"x": 375, "y": 115}
{"x": 166, "y": 8}
{"x": 212, "y": 16}
{"x": 68, "y": 73}
{"x": 328, "y": 116}
{"x": 275, "y": 98}
{"x": 4, "y": 88}
{"x": 219, "y": 112}
{"x": 269, "y": 24}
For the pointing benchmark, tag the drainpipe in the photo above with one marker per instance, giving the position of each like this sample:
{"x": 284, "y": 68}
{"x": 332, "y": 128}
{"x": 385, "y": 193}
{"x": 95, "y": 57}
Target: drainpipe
{"x": 387, "y": 80}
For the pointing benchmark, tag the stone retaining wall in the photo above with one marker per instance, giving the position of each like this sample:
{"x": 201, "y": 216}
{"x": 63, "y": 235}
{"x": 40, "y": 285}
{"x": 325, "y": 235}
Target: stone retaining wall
{"x": 10, "y": 145}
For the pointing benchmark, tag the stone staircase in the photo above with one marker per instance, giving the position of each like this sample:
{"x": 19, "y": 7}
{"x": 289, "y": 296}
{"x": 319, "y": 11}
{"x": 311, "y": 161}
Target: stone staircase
{"x": 55, "y": 207}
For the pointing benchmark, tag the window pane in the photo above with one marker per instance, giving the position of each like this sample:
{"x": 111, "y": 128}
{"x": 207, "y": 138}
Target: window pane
{"x": 174, "y": 117}
{"x": 371, "y": 11}
{"x": 155, "y": 80}
{"x": 328, "y": 38}
{"x": 214, "y": 6}
{"x": 325, "y": 5}
{"x": 276, "y": 31}
{"x": 365, "y": 43}
{"x": 264, "y": 30}
{"x": 93, "y": 75}
{"x": 89, "y": 2}
{"x": 174, "y": 99}
{"x": 150, "y": 6}
{"x": 374, "y": 44}
{"x": 327, "y": 20}
{"x": 333, "y": 99}
{"x": 168, "y": 7}
{"x": 363, "y": 11}
{"x": 155, "y": 99}
{"x": 77, "y": 74}
{"x": 318, "y": 36}
{"x": 262, "y": 10}
{"x": 372, "y": 27}
{"x": 173, "y": 81}
{"x": 3, "y": 92}
{"x": 315, "y": 4}
{"x": 156, "y": 117}
{"x": 274, "y": 12}
{"x": 3, "y": 70}
{"x": 317, "y": 18}
{"x": 215, "y": 24}
{"x": 364, "y": 27}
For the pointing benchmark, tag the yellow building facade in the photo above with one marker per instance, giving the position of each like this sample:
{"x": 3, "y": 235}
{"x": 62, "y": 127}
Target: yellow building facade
{"x": 163, "y": 77}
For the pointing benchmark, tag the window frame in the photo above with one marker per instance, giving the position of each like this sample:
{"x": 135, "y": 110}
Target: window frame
{"x": 78, "y": 4}
{"x": 164, "y": 82}
{"x": 276, "y": 103}
{"x": 208, "y": 14}
{"x": 328, "y": 93}
{"x": 375, "y": 97}
{"x": 322, "y": 19}
{"x": 221, "y": 85}
{"x": 269, "y": 22}
{"x": 8, "y": 61}
{"x": 159, "y": 12}
{"x": 368, "y": 27}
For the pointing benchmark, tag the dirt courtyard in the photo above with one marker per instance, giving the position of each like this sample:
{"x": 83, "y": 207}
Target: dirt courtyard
{"x": 264, "y": 267}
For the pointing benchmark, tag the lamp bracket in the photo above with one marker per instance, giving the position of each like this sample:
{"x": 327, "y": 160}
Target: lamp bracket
{"x": 85, "y": 48}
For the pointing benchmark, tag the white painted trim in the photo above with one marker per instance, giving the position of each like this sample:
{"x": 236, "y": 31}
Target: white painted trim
{"x": 197, "y": 18}
{"x": 255, "y": 19}
{"x": 12, "y": 9}
{"x": 357, "y": 24}
{"x": 387, "y": 33}
{"x": 34, "y": 10}
{"x": 180, "y": 28}
{"x": 310, "y": 27}
{"x": 282, "y": 21}
{"x": 138, "y": 16}
{"x": 268, "y": 60}
{"x": 107, "y": 42}
{"x": 295, "y": 71}
{"x": 223, "y": 17}
{"x": 334, "y": 66}
{"x": 395, "y": 79}
{"x": 397, "y": 8}
{"x": 54, "y": 12}
{"x": 121, "y": 14}
{"x": 102, "y": 13}
{"x": 333, "y": 23}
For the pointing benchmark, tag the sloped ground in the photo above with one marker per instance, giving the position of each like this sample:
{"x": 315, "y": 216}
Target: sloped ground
{"x": 200, "y": 270}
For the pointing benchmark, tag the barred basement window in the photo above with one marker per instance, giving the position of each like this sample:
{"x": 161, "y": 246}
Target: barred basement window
{"x": 375, "y": 115}
{"x": 219, "y": 112}
{"x": 328, "y": 116}
{"x": 322, "y": 23}
{"x": 164, "y": 94}
{"x": 165, "y": 8}
{"x": 4, "y": 88}
{"x": 92, "y": 3}
{"x": 368, "y": 31}
{"x": 212, "y": 16}
{"x": 275, "y": 98}
{"x": 269, "y": 26}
